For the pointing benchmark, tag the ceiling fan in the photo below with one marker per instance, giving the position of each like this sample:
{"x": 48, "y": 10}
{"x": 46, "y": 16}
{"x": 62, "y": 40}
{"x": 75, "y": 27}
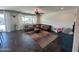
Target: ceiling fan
{"x": 38, "y": 11}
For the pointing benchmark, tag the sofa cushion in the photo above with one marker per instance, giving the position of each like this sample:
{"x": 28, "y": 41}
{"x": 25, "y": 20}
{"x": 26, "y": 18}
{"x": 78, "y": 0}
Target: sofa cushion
{"x": 66, "y": 41}
{"x": 46, "y": 27}
{"x": 67, "y": 30}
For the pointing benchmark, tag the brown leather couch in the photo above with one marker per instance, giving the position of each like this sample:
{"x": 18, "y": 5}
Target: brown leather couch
{"x": 40, "y": 26}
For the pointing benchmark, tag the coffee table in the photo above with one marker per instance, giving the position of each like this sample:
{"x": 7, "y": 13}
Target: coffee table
{"x": 37, "y": 30}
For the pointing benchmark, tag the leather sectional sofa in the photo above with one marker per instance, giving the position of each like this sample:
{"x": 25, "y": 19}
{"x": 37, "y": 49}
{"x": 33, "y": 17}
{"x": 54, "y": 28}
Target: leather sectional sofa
{"x": 39, "y": 26}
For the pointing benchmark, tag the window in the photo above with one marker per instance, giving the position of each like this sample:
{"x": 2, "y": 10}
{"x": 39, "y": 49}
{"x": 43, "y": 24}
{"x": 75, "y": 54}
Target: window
{"x": 1, "y": 19}
{"x": 2, "y": 22}
{"x": 28, "y": 19}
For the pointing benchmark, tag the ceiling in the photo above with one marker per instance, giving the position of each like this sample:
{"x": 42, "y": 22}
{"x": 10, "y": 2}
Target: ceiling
{"x": 31, "y": 9}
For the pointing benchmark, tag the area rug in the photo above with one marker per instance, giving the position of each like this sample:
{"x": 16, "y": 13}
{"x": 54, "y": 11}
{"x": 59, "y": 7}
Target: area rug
{"x": 42, "y": 34}
{"x": 45, "y": 41}
{"x": 43, "y": 38}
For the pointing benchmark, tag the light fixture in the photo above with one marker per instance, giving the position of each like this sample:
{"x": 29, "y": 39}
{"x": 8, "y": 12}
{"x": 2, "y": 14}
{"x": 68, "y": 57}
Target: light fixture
{"x": 62, "y": 8}
{"x": 37, "y": 11}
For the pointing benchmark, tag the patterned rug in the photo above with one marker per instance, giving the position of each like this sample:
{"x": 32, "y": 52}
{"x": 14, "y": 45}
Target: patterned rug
{"x": 43, "y": 38}
{"x": 42, "y": 34}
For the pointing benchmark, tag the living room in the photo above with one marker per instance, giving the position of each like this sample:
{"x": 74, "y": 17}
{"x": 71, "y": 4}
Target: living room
{"x": 28, "y": 27}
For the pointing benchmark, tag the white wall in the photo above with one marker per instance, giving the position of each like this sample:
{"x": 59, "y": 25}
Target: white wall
{"x": 76, "y": 33}
{"x": 13, "y": 20}
{"x": 7, "y": 21}
{"x": 59, "y": 19}
{"x": 19, "y": 22}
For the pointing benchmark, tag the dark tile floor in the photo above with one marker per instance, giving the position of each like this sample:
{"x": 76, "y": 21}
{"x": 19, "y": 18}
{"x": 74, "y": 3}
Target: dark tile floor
{"x": 19, "y": 41}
